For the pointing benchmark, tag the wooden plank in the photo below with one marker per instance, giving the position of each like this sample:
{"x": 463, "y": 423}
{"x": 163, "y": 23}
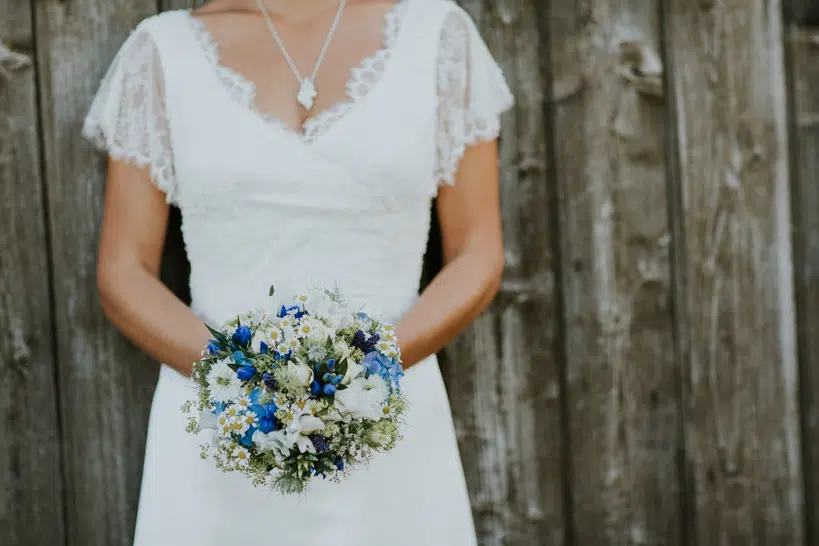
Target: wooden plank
{"x": 803, "y": 49}
{"x": 622, "y": 380}
{"x": 502, "y": 373}
{"x": 106, "y": 384}
{"x": 31, "y": 507}
{"x": 736, "y": 309}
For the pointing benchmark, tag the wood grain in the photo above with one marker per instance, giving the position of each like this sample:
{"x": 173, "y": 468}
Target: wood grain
{"x": 740, "y": 379}
{"x": 106, "y": 384}
{"x": 803, "y": 50}
{"x": 31, "y": 503}
{"x": 502, "y": 373}
{"x": 623, "y": 402}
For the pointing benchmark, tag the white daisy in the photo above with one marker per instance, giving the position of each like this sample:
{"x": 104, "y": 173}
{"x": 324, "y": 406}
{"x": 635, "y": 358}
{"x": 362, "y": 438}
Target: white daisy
{"x": 302, "y": 299}
{"x": 249, "y": 419}
{"x": 241, "y": 456}
{"x": 243, "y": 403}
{"x": 223, "y": 383}
{"x": 305, "y": 328}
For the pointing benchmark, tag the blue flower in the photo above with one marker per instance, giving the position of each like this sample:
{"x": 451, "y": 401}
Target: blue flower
{"x": 329, "y": 389}
{"x": 388, "y": 368}
{"x": 247, "y": 439}
{"x": 331, "y": 364}
{"x": 339, "y": 463}
{"x": 315, "y": 388}
{"x": 240, "y": 358}
{"x": 267, "y": 417}
{"x": 263, "y": 348}
{"x": 246, "y": 373}
{"x": 214, "y": 347}
{"x": 372, "y": 362}
{"x": 241, "y": 336}
{"x": 270, "y": 381}
{"x": 218, "y": 408}
{"x": 319, "y": 442}
{"x": 295, "y": 310}
{"x": 364, "y": 342}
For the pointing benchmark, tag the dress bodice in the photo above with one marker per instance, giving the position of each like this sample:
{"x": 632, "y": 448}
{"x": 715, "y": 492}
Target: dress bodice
{"x": 347, "y": 203}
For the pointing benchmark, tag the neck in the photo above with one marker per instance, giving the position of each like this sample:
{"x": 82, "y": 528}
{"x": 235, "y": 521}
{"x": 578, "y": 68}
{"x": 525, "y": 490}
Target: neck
{"x": 297, "y": 9}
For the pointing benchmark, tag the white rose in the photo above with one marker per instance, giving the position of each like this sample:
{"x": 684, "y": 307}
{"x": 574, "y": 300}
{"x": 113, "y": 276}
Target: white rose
{"x": 298, "y": 374}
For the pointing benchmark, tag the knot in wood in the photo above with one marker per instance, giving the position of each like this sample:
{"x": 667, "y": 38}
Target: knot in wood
{"x": 9, "y": 60}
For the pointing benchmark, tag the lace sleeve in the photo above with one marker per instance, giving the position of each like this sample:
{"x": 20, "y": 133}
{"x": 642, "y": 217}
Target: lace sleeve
{"x": 472, "y": 93}
{"x": 128, "y": 119}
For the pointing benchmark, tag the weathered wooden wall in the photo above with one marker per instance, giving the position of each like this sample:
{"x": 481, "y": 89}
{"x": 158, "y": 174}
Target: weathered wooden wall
{"x": 646, "y": 375}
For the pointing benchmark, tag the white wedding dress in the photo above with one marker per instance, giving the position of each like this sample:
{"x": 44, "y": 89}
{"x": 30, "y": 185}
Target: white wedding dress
{"x": 346, "y": 203}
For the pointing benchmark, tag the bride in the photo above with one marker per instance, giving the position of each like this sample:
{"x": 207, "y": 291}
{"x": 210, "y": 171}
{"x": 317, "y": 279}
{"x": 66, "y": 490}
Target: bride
{"x": 303, "y": 141}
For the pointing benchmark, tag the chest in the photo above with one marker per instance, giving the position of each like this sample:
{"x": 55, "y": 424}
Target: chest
{"x": 377, "y": 139}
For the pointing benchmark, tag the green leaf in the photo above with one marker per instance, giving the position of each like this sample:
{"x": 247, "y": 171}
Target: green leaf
{"x": 341, "y": 369}
{"x": 272, "y": 291}
{"x": 341, "y": 387}
{"x": 219, "y": 336}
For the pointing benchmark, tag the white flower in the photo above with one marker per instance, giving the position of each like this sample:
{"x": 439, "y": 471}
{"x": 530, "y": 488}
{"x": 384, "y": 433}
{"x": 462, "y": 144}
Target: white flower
{"x": 297, "y": 375}
{"x": 307, "y": 328}
{"x": 377, "y": 438}
{"x": 334, "y": 314}
{"x": 289, "y": 333}
{"x": 305, "y": 444}
{"x": 342, "y": 349}
{"x": 316, "y": 353}
{"x": 277, "y": 441}
{"x": 207, "y": 420}
{"x": 302, "y": 299}
{"x": 249, "y": 419}
{"x": 223, "y": 383}
{"x": 353, "y": 371}
{"x": 305, "y": 424}
{"x": 241, "y": 456}
{"x": 243, "y": 403}
{"x": 363, "y": 398}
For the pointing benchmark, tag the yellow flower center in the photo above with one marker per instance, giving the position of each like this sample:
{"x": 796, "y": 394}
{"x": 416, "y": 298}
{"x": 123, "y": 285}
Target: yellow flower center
{"x": 301, "y": 404}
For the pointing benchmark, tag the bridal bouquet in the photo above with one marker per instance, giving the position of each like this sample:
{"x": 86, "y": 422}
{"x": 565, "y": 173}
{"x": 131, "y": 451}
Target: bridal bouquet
{"x": 312, "y": 390}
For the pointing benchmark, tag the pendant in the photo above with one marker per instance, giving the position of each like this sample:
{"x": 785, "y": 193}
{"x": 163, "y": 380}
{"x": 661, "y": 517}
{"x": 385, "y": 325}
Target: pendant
{"x": 307, "y": 94}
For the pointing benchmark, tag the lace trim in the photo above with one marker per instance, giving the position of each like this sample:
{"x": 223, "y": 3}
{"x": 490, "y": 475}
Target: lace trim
{"x": 363, "y": 77}
{"x": 128, "y": 118}
{"x": 472, "y": 94}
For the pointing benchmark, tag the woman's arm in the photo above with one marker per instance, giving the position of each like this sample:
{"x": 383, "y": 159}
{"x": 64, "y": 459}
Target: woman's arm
{"x": 469, "y": 214}
{"x": 133, "y": 297}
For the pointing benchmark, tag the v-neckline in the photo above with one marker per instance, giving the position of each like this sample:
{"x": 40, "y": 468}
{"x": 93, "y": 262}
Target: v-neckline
{"x": 360, "y": 83}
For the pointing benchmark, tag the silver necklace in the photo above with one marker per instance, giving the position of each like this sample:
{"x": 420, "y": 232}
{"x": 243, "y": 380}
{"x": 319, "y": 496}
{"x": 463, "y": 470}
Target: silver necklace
{"x": 307, "y": 86}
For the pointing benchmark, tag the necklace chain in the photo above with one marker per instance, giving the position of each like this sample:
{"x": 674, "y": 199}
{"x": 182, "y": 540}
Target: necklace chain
{"x": 307, "y": 84}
